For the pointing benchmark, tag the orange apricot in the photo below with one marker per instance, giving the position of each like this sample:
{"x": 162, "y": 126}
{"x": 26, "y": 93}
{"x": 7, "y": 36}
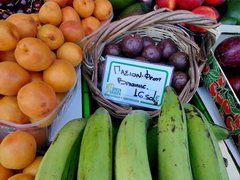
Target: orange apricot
{"x": 50, "y": 13}
{"x": 37, "y": 99}
{"x": 70, "y": 3}
{"x": 36, "y": 76}
{"x": 33, "y": 54}
{"x": 22, "y": 176}
{"x": 61, "y": 75}
{"x": 33, "y": 167}
{"x": 61, "y": 96}
{"x": 61, "y": 3}
{"x": 5, "y": 173}
{"x": 72, "y": 30}
{"x": 12, "y": 77}
{"x": 51, "y": 35}
{"x": 36, "y": 18}
{"x": 69, "y": 14}
{"x": 90, "y": 25}
{"x": 103, "y": 9}
{"x": 7, "y": 56}
{"x": 17, "y": 150}
{"x": 9, "y": 111}
{"x": 70, "y": 52}
{"x": 84, "y": 8}
{"x": 9, "y": 36}
{"x": 26, "y": 25}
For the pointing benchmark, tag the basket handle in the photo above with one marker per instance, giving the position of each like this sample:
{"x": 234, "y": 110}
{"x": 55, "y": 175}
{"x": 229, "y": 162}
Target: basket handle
{"x": 162, "y": 16}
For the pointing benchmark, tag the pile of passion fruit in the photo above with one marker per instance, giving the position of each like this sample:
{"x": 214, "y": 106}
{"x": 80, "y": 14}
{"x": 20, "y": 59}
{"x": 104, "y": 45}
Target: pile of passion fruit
{"x": 146, "y": 49}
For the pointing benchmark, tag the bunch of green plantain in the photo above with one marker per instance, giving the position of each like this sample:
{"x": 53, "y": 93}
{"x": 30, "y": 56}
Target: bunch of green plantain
{"x": 82, "y": 150}
{"x": 187, "y": 143}
{"x": 183, "y": 145}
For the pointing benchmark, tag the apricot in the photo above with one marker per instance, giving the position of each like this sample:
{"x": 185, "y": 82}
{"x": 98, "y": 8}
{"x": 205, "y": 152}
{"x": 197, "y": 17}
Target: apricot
{"x": 54, "y": 56}
{"x": 51, "y": 35}
{"x": 7, "y": 56}
{"x": 33, "y": 54}
{"x": 84, "y": 8}
{"x": 36, "y": 76}
{"x": 61, "y": 96}
{"x": 33, "y": 167}
{"x": 37, "y": 99}
{"x": 17, "y": 150}
{"x": 103, "y": 9}
{"x": 9, "y": 111}
{"x": 61, "y": 75}
{"x": 12, "y": 78}
{"x": 41, "y": 136}
{"x": 72, "y": 30}
{"x": 103, "y": 22}
{"x": 22, "y": 176}
{"x": 69, "y": 14}
{"x": 70, "y": 52}
{"x": 9, "y": 36}
{"x": 50, "y": 13}
{"x": 5, "y": 173}
{"x": 61, "y": 3}
{"x": 49, "y": 119}
{"x": 70, "y": 3}
{"x": 45, "y": 123}
{"x": 26, "y": 25}
{"x": 36, "y": 18}
{"x": 90, "y": 25}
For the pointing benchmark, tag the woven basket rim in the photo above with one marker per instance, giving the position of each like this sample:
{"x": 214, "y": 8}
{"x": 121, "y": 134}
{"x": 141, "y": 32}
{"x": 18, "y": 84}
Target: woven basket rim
{"x": 156, "y": 19}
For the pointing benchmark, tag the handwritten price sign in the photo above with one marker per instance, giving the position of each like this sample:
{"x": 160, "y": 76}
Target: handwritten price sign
{"x": 136, "y": 83}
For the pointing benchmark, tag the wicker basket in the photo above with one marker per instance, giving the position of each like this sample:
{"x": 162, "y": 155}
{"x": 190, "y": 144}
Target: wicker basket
{"x": 159, "y": 24}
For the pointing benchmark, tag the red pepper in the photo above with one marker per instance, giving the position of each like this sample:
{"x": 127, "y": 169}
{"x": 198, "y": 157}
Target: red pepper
{"x": 228, "y": 122}
{"x": 212, "y": 89}
{"x": 221, "y": 82}
{"x": 236, "y": 116}
{"x": 237, "y": 122}
{"x": 219, "y": 98}
{"x": 226, "y": 107}
{"x": 206, "y": 69}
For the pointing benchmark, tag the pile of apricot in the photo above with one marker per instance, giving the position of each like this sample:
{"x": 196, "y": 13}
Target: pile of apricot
{"x": 18, "y": 159}
{"x": 38, "y": 56}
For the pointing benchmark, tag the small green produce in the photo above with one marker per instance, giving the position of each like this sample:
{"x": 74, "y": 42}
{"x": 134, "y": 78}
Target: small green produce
{"x": 232, "y": 16}
{"x": 119, "y": 5}
{"x": 135, "y": 9}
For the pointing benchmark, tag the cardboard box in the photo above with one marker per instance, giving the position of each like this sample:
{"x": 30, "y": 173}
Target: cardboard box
{"x": 219, "y": 87}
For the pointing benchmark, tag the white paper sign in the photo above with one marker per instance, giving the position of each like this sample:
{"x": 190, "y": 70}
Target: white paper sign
{"x": 133, "y": 82}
